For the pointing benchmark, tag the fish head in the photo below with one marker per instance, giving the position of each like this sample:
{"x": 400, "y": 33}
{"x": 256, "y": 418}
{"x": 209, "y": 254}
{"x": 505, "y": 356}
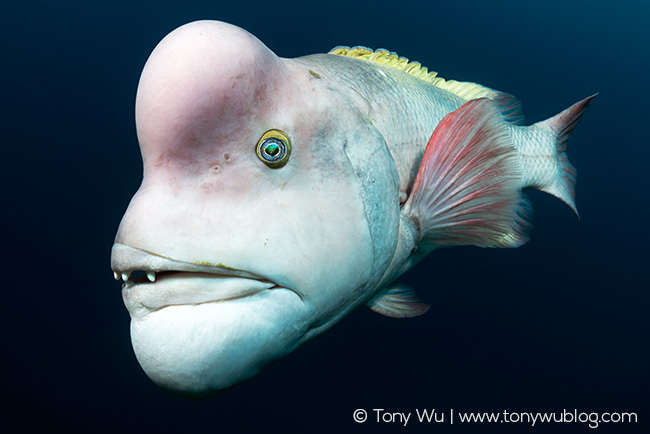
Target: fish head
{"x": 261, "y": 219}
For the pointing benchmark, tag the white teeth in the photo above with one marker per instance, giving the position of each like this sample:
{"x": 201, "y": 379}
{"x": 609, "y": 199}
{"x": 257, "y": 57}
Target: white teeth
{"x": 126, "y": 276}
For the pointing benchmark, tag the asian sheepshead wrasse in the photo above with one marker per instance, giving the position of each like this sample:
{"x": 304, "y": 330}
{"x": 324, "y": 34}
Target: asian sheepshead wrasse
{"x": 281, "y": 194}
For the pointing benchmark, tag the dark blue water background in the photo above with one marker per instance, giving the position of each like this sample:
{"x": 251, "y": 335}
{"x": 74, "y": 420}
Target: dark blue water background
{"x": 560, "y": 323}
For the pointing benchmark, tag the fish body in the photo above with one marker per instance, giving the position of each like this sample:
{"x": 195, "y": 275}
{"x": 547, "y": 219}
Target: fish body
{"x": 280, "y": 194}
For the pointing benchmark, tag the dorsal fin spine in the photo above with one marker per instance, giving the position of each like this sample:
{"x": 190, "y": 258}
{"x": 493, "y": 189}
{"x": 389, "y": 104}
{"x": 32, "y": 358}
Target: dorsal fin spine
{"x": 391, "y": 59}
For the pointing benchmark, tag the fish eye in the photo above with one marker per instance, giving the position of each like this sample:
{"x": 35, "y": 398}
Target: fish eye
{"x": 274, "y": 148}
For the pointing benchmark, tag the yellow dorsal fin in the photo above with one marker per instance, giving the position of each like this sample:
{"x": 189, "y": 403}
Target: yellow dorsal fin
{"x": 510, "y": 106}
{"x": 462, "y": 89}
{"x": 390, "y": 59}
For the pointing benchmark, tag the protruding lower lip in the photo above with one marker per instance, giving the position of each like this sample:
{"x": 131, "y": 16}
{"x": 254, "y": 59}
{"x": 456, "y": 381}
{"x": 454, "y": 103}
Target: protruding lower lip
{"x": 190, "y": 288}
{"x": 166, "y": 282}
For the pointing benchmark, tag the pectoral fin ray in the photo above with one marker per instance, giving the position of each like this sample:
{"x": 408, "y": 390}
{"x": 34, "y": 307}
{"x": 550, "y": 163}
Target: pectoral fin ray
{"x": 398, "y": 301}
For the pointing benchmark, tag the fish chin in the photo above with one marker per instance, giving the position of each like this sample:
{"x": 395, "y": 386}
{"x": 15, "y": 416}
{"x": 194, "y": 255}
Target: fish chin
{"x": 198, "y": 350}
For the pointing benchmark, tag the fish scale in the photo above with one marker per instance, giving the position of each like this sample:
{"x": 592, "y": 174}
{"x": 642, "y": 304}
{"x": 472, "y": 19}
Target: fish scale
{"x": 402, "y": 107}
{"x": 537, "y": 155}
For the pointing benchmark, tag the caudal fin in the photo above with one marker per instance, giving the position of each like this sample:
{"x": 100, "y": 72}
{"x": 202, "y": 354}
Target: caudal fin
{"x": 560, "y": 127}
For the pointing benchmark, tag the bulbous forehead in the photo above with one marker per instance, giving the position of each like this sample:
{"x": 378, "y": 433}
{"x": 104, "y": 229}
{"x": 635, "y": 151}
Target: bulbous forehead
{"x": 202, "y": 74}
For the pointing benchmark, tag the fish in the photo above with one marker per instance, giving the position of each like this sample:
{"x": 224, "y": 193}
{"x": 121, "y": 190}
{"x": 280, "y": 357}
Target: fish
{"x": 279, "y": 195}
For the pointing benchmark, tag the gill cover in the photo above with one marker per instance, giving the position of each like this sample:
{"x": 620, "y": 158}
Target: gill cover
{"x": 377, "y": 174}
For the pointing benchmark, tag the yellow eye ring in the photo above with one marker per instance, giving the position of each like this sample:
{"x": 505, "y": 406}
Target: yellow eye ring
{"x": 274, "y": 148}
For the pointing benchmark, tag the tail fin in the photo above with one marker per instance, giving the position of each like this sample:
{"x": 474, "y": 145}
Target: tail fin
{"x": 560, "y": 127}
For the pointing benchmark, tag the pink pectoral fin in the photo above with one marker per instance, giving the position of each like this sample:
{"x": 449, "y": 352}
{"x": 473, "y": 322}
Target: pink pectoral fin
{"x": 467, "y": 190}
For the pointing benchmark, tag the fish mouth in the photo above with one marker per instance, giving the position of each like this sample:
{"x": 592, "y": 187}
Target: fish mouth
{"x": 152, "y": 282}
